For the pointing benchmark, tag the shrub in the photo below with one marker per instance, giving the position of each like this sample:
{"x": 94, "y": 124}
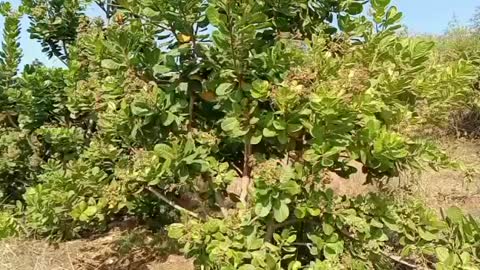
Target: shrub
{"x": 461, "y": 42}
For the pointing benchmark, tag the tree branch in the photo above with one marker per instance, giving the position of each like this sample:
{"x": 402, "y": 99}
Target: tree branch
{"x": 399, "y": 260}
{"x": 10, "y": 120}
{"x": 237, "y": 169}
{"x": 394, "y": 258}
{"x": 246, "y": 170}
{"x": 172, "y": 204}
{"x": 65, "y": 51}
{"x": 191, "y": 107}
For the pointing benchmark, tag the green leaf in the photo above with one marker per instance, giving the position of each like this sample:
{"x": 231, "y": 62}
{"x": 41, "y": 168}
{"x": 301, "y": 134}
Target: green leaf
{"x": 426, "y": 235}
{"x": 310, "y": 155}
{"x": 213, "y": 16}
{"x": 110, "y": 64}
{"x": 220, "y": 40}
{"x": 295, "y": 265}
{"x": 355, "y": 8}
{"x": 280, "y": 124}
{"x": 271, "y": 261}
{"x": 268, "y": 133}
{"x": 90, "y": 211}
{"x": 230, "y": 123}
{"x": 263, "y": 210}
{"x": 281, "y": 213}
{"x": 314, "y": 212}
{"x": 282, "y": 137}
{"x": 327, "y": 229}
{"x": 5, "y": 8}
{"x": 455, "y": 215}
{"x": 393, "y": 16}
{"x": 292, "y": 128}
{"x": 466, "y": 257}
{"x": 76, "y": 212}
{"x": 154, "y": 182}
{"x": 442, "y": 253}
{"x": 391, "y": 225}
{"x": 300, "y": 212}
{"x": 260, "y": 89}
{"x": 223, "y": 89}
{"x": 82, "y": 206}
{"x": 139, "y": 109}
{"x": 149, "y": 12}
{"x": 291, "y": 187}
{"x": 332, "y": 250}
{"x": 256, "y": 138}
{"x": 167, "y": 119}
{"x": 327, "y": 162}
{"x": 160, "y": 69}
{"x": 380, "y": 5}
{"x": 375, "y": 223}
{"x": 164, "y": 151}
{"x": 247, "y": 267}
{"x": 176, "y": 231}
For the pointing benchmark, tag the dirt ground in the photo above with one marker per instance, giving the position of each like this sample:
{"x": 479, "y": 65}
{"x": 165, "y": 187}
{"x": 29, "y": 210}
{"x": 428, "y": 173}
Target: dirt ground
{"x": 447, "y": 188}
{"x": 138, "y": 250}
{"x": 439, "y": 189}
{"x": 117, "y": 250}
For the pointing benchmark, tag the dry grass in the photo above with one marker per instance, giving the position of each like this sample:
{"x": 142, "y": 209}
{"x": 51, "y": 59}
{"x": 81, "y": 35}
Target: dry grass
{"x": 117, "y": 250}
{"x": 466, "y": 123}
{"x": 447, "y": 188}
{"x": 33, "y": 255}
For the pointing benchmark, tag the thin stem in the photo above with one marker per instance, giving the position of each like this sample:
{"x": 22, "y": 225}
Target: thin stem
{"x": 172, "y": 204}
{"x": 246, "y": 169}
{"x": 237, "y": 169}
{"x": 394, "y": 258}
{"x": 399, "y": 260}
{"x": 64, "y": 45}
{"x": 270, "y": 230}
{"x": 190, "y": 110}
{"x": 9, "y": 117}
{"x": 246, "y": 157}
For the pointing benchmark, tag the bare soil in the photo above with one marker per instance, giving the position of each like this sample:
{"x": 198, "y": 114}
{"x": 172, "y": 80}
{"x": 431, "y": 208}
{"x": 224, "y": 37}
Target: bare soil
{"x": 139, "y": 250}
{"x": 447, "y": 188}
{"x": 117, "y": 250}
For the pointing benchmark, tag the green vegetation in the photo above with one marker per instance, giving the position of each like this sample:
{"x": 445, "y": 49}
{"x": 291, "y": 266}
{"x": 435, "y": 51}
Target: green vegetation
{"x": 463, "y": 42}
{"x": 223, "y": 120}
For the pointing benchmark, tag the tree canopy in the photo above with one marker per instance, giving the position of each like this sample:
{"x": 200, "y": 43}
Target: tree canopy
{"x": 224, "y": 120}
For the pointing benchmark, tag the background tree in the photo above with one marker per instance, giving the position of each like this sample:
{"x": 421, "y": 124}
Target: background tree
{"x": 476, "y": 19}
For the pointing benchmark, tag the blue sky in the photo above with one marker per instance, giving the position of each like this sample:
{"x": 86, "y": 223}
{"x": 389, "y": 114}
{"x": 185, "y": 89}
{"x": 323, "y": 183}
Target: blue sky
{"x": 433, "y": 16}
{"x": 420, "y": 16}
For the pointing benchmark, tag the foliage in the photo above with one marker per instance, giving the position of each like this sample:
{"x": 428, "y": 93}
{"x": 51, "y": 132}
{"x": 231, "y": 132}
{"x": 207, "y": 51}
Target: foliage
{"x": 11, "y": 53}
{"x": 347, "y": 233}
{"x": 462, "y": 42}
{"x": 476, "y": 19}
{"x": 18, "y": 164}
{"x": 54, "y": 24}
{"x": 233, "y": 114}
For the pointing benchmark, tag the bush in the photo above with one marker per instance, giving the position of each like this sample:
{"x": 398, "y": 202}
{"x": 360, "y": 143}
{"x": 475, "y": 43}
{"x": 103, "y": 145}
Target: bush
{"x": 461, "y": 42}
{"x": 233, "y": 114}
